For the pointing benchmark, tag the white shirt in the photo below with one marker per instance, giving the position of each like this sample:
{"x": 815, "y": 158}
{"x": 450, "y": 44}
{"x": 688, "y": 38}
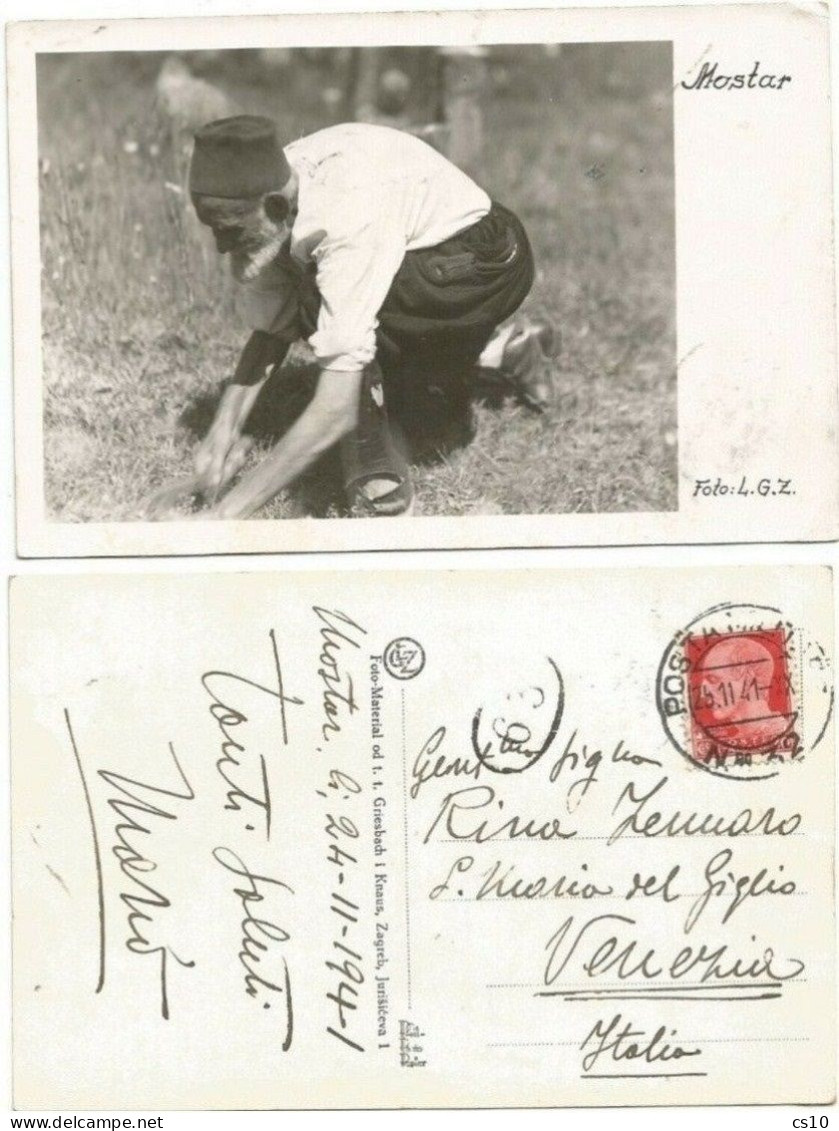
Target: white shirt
{"x": 367, "y": 195}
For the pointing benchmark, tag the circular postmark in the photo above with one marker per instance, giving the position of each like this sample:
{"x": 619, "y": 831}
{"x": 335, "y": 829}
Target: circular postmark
{"x": 511, "y": 735}
{"x": 404, "y": 658}
{"x": 733, "y": 687}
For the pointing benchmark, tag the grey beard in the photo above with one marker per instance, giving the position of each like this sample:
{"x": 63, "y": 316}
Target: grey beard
{"x": 259, "y": 259}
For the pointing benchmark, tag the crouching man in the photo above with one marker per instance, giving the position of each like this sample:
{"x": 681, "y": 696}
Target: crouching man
{"x": 397, "y": 269}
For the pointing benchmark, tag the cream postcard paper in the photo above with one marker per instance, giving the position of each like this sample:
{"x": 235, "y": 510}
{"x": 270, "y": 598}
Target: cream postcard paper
{"x": 671, "y": 167}
{"x": 439, "y": 839}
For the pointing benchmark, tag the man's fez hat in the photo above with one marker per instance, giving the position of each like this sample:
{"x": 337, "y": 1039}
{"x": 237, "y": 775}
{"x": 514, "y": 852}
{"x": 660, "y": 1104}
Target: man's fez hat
{"x": 238, "y": 158}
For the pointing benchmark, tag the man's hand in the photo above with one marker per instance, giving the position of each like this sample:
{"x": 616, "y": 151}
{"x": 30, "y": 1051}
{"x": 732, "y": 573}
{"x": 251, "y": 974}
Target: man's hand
{"x": 224, "y": 449}
{"x": 167, "y": 504}
{"x": 331, "y": 414}
{"x": 221, "y": 455}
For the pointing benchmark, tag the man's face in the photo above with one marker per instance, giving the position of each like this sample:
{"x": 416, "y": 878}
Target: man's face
{"x": 242, "y": 230}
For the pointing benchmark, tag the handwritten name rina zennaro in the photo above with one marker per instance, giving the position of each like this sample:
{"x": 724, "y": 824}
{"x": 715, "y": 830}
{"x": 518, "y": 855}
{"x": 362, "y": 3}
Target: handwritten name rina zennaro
{"x": 711, "y": 78}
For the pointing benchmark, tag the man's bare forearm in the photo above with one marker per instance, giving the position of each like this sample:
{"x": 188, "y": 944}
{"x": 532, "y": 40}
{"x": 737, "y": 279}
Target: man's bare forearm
{"x": 222, "y": 451}
{"x": 261, "y": 353}
{"x": 235, "y": 406}
{"x": 331, "y": 415}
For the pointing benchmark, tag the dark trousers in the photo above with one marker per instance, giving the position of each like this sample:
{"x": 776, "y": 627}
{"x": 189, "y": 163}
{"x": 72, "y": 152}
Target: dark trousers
{"x": 441, "y": 310}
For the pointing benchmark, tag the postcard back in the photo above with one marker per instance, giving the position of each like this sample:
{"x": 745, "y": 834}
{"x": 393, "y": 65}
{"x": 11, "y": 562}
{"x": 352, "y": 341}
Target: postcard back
{"x": 488, "y": 839}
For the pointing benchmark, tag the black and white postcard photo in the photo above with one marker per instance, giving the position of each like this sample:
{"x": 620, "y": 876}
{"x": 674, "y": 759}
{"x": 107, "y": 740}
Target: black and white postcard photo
{"x": 534, "y": 279}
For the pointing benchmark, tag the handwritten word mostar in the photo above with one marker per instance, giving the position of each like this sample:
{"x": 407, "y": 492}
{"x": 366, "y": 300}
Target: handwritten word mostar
{"x": 709, "y": 79}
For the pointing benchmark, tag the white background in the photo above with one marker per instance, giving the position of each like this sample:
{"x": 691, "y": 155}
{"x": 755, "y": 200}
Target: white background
{"x": 632, "y": 1119}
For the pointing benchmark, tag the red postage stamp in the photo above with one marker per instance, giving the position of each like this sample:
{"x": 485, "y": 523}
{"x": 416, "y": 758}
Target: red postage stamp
{"x": 731, "y": 691}
{"x": 740, "y": 695}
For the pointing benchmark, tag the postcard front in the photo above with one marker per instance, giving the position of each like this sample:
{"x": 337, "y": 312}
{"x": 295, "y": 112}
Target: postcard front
{"x": 535, "y": 278}
{"x": 439, "y": 839}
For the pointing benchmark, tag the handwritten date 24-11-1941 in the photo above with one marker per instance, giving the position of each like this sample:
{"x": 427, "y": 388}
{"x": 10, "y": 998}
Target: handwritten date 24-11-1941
{"x": 339, "y": 642}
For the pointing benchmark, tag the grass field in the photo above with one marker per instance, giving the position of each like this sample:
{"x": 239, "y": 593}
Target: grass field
{"x": 138, "y": 331}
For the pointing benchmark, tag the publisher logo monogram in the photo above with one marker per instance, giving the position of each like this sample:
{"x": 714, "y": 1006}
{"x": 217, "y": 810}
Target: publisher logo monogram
{"x": 404, "y": 658}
